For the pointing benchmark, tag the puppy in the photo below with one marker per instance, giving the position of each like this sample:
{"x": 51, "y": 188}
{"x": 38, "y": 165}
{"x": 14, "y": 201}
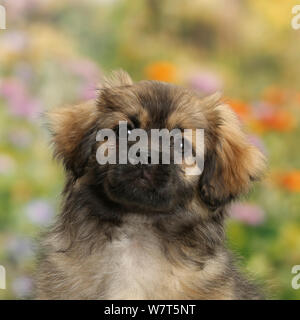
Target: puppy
{"x": 132, "y": 231}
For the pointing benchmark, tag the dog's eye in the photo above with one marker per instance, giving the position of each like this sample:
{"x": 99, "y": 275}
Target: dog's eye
{"x": 129, "y": 130}
{"x": 182, "y": 144}
{"x": 185, "y": 146}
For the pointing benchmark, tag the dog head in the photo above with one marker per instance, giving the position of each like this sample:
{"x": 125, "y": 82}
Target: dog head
{"x": 231, "y": 163}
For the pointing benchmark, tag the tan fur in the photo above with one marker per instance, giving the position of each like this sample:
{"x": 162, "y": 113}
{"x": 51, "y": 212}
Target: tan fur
{"x": 144, "y": 255}
{"x": 238, "y": 159}
{"x": 69, "y": 124}
{"x": 132, "y": 266}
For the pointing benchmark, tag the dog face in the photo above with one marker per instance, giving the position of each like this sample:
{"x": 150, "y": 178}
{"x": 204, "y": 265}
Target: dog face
{"x": 230, "y": 161}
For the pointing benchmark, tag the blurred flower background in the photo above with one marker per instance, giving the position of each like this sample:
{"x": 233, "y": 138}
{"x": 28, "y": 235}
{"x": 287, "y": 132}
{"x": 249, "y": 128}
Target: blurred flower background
{"x": 55, "y": 52}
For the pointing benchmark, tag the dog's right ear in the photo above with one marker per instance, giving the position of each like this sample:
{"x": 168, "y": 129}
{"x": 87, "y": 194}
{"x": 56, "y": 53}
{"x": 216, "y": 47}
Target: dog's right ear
{"x": 118, "y": 78}
{"x": 73, "y": 134}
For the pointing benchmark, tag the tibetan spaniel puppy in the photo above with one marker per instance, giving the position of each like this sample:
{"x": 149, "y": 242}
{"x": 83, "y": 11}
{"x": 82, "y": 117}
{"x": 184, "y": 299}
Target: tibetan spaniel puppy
{"x": 146, "y": 231}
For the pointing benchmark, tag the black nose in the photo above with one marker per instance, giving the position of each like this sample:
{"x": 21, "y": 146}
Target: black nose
{"x": 146, "y": 173}
{"x": 146, "y": 158}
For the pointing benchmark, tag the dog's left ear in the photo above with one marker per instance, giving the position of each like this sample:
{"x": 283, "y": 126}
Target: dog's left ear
{"x": 73, "y": 134}
{"x": 231, "y": 161}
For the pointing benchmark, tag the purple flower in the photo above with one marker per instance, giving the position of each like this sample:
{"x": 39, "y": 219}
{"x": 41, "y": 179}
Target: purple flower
{"x": 247, "y": 213}
{"x": 40, "y": 212}
{"x": 206, "y": 82}
{"x": 19, "y": 248}
{"x": 22, "y": 286}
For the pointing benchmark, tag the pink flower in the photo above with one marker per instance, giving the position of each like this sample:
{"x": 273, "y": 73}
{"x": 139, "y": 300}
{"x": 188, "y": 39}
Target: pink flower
{"x": 88, "y": 92}
{"x": 18, "y": 99}
{"x": 206, "y": 83}
{"x": 247, "y": 213}
{"x": 14, "y": 41}
{"x": 89, "y": 75}
{"x": 18, "y": 9}
{"x": 84, "y": 68}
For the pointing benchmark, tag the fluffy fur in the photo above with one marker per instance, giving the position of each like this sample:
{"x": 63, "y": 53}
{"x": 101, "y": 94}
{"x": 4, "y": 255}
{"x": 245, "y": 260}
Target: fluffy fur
{"x": 118, "y": 237}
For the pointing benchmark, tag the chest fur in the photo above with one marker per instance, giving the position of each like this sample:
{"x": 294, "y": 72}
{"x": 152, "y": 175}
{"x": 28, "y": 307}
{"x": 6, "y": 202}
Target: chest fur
{"x": 136, "y": 269}
{"x": 136, "y": 265}
{"x": 133, "y": 268}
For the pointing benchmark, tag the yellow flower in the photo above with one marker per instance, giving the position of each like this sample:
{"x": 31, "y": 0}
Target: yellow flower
{"x": 290, "y": 238}
{"x": 46, "y": 42}
{"x": 276, "y": 12}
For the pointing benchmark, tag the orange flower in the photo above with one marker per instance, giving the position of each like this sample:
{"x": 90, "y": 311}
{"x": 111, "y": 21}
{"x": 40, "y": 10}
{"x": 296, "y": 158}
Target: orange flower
{"x": 291, "y": 180}
{"x": 278, "y": 120}
{"x": 241, "y": 108}
{"x": 162, "y": 71}
{"x": 298, "y": 98}
{"x": 275, "y": 96}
